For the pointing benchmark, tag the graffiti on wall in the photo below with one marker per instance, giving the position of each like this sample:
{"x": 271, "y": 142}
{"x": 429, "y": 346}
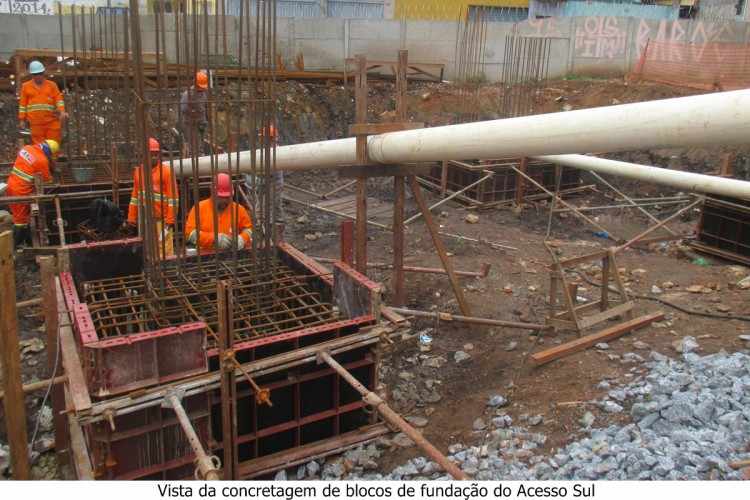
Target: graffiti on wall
{"x": 548, "y": 27}
{"x": 698, "y": 33}
{"x": 601, "y": 37}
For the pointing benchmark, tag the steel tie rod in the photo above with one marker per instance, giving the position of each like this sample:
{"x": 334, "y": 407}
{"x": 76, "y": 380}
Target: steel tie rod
{"x": 393, "y": 418}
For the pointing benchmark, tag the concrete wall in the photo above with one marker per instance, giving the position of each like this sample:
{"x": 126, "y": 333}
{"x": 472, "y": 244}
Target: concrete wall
{"x": 581, "y": 45}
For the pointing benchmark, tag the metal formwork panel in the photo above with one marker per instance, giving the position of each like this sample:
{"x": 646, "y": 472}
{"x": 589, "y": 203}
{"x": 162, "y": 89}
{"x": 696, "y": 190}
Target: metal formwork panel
{"x": 724, "y": 229}
{"x": 314, "y": 411}
{"x": 503, "y": 184}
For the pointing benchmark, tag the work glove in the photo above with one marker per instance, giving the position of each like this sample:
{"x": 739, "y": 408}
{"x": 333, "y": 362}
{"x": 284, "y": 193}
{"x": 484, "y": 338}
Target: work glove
{"x": 166, "y": 231}
{"x": 224, "y": 241}
{"x": 240, "y": 243}
{"x": 23, "y": 124}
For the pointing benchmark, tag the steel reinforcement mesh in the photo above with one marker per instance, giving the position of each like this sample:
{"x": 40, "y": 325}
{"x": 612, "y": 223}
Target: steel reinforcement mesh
{"x": 269, "y": 298}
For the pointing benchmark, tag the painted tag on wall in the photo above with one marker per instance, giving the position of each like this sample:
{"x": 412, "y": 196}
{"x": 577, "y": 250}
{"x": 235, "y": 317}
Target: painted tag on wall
{"x": 28, "y": 7}
{"x": 601, "y": 37}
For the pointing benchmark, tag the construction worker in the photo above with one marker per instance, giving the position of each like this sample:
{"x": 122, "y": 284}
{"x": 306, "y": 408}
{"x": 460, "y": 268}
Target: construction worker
{"x": 31, "y": 161}
{"x": 41, "y": 104}
{"x": 194, "y": 113}
{"x": 165, "y": 198}
{"x": 225, "y": 210}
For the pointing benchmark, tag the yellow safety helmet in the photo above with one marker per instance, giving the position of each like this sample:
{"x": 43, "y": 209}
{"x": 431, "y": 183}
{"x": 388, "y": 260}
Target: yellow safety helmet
{"x": 54, "y": 147}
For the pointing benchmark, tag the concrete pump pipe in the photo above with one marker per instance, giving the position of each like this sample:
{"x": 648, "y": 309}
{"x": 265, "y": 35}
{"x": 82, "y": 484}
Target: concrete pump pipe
{"x": 710, "y": 119}
{"x": 687, "y": 181}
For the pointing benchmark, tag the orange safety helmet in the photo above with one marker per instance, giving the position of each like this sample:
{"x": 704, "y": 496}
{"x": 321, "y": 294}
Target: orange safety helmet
{"x": 223, "y": 186}
{"x": 153, "y": 145}
{"x": 271, "y": 132}
{"x": 201, "y": 80}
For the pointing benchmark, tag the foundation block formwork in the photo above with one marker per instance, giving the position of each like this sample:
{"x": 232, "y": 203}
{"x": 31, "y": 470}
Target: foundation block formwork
{"x": 724, "y": 229}
{"x": 503, "y": 187}
{"x": 132, "y": 349}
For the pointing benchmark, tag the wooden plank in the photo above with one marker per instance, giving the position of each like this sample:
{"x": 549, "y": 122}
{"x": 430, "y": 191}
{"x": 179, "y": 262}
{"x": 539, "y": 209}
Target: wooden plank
{"x": 355, "y": 171}
{"x": 573, "y": 261}
{"x": 594, "y": 319}
{"x": 338, "y": 202}
{"x": 360, "y": 106}
{"x": 48, "y": 269}
{"x": 607, "y": 334}
{"x": 10, "y": 356}
{"x": 561, "y": 324}
{"x": 79, "y": 455}
{"x": 382, "y": 128}
{"x": 444, "y": 178}
{"x": 439, "y": 246}
{"x": 606, "y": 265}
{"x": 228, "y": 385}
{"x": 570, "y": 299}
{"x": 379, "y": 209}
{"x": 398, "y": 281}
{"x": 520, "y": 182}
{"x": 391, "y": 315}
{"x": 79, "y": 392}
{"x": 580, "y": 309}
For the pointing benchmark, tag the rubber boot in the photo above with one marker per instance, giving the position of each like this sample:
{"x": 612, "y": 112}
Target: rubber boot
{"x": 17, "y": 236}
{"x": 27, "y": 236}
{"x": 21, "y": 236}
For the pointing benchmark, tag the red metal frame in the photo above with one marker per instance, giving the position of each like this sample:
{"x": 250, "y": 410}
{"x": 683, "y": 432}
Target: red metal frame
{"x": 298, "y": 419}
{"x": 296, "y": 334}
{"x": 357, "y": 276}
{"x": 311, "y": 264}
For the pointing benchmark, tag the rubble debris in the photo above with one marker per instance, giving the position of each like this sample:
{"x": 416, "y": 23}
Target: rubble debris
{"x": 587, "y": 420}
{"x": 690, "y": 421}
{"x": 417, "y": 421}
{"x": 535, "y": 420}
{"x": 497, "y": 401}
{"x": 685, "y": 344}
{"x": 640, "y": 345}
{"x": 461, "y": 356}
{"x": 31, "y": 346}
{"x": 479, "y": 424}
{"x": 435, "y": 362}
{"x": 402, "y": 440}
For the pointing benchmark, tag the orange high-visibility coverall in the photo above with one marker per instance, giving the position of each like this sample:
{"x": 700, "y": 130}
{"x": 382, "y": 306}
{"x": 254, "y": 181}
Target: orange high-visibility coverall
{"x": 38, "y": 104}
{"x": 205, "y": 236}
{"x": 166, "y": 197}
{"x": 30, "y": 161}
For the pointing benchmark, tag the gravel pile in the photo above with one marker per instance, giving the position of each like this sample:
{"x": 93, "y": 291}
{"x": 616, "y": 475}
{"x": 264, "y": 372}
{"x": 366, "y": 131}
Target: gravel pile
{"x": 691, "y": 418}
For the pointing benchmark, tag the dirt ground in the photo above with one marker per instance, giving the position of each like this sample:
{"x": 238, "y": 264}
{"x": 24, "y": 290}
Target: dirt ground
{"x": 517, "y": 285}
{"x": 516, "y": 289}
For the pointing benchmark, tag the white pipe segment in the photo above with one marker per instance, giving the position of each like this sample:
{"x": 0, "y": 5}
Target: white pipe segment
{"x": 687, "y": 181}
{"x": 710, "y": 119}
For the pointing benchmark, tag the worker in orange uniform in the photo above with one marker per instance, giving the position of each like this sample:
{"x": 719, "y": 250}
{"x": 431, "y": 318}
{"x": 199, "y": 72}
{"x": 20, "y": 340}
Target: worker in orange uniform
{"x": 194, "y": 114}
{"x": 165, "y": 198}
{"x": 203, "y": 236}
{"x": 41, "y": 105}
{"x": 31, "y": 161}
